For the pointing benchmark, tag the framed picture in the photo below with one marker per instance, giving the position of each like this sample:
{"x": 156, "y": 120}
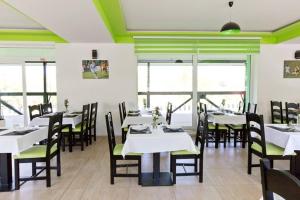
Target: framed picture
{"x": 95, "y": 69}
{"x": 291, "y": 69}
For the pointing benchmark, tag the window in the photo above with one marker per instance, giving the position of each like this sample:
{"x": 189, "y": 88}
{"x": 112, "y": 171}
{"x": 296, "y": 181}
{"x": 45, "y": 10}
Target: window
{"x": 160, "y": 83}
{"x": 40, "y": 79}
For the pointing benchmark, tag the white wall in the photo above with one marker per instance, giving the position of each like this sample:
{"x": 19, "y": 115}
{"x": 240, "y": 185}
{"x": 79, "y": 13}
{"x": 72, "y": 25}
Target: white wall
{"x": 271, "y": 84}
{"x": 121, "y": 85}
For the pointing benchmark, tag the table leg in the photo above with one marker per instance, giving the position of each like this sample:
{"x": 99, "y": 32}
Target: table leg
{"x": 5, "y": 172}
{"x": 295, "y": 165}
{"x": 156, "y": 178}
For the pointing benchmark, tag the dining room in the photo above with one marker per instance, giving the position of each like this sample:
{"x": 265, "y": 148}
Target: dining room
{"x": 196, "y": 101}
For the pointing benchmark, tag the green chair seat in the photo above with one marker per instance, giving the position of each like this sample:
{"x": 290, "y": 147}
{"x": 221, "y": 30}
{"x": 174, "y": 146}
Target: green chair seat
{"x": 38, "y": 151}
{"x": 118, "y": 151}
{"x": 236, "y": 126}
{"x": 220, "y": 127}
{"x": 76, "y": 129}
{"x": 186, "y": 152}
{"x": 271, "y": 149}
{"x": 278, "y": 121}
{"x": 125, "y": 129}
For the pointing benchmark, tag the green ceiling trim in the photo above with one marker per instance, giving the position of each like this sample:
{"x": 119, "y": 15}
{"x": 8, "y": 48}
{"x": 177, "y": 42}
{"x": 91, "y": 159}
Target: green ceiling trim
{"x": 29, "y": 35}
{"x": 287, "y": 33}
{"x": 112, "y": 15}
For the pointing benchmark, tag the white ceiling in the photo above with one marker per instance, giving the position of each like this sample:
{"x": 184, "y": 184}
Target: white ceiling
{"x": 73, "y": 20}
{"x": 208, "y": 15}
{"x": 13, "y": 19}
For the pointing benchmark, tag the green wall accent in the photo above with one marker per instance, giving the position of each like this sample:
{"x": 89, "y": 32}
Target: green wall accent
{"x": 112, "y": 15}
{"x": 29, "y": 35}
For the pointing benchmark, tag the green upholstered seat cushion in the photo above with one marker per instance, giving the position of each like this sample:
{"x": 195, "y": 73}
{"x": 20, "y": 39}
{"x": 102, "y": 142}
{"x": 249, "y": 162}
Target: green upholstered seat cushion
{"x": 118, "y": 151}
{"x": 270, "y": 148}
{"x": 278, "y": 121}
{"x": 76, "y": 129}
{"x": 186, "y": 152}
{"x": 125, "y": 129}
{"x": 236, "y": 126}
{"x": 38, "y": 151}
{"x": 220, "y": 127}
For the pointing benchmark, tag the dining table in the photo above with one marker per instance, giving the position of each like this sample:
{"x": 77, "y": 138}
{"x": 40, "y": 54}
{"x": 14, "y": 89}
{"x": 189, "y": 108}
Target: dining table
{"x": 226, "y": 118}
{"x": 141, "y": 117}
{"x": 12, "y": 142}
{"x": 155, "y": 141}
{"x": 288, "y": 138}
{"x": 68, "y": 118}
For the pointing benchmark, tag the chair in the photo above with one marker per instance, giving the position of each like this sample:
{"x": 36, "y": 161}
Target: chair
{"x": 115, "y": 151}
{"x": 46, "y": 108}
{"x": 42, "y": 153}
{"x": 169, "y": 113}
{"x": 257, "y": 144}
{"x": 280, "y": 182}
{"x": 202, "y": 129}
{"x": 124, "y": 109}
{"x": 92, "y": 122}
{"x": 80, "y": 130}
{"x": 34, "y": 111}
{"x": 215, "y": 131}
{"x": 239, "y": 133}
{"x": 291, "y": 110}
{"x": 122, "y": 117}
{"x": 276, "y": 112}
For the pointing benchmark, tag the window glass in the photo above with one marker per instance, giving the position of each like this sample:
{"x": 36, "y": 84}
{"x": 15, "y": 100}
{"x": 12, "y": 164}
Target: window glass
{"x": 142, "y": 77}
{"x": 51, "y": 77}
{"x": 11, "y": 78}
{"x": 34, "y": 77}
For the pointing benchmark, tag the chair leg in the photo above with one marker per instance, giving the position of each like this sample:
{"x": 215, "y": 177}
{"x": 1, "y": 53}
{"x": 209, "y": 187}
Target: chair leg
{"x": 174, "y": 169}
{"x": 196, "y": 165}
{"x": 33, "y": 168}
{"x": 271, "y": 164}
{"x": 112, "y": 171}
{"x": 201, "y": 169}
{"x": 17, "y": 174}
{"x": 225, "y": 136}
{"x": 70, "y": 141}
{"x": 206, "y": 139}
{"x": 81, "y": 141}
{"x": 58, "y": 163}
{"x": 235, "y": 138}
{"x": 63, "y": 141}
{"x": 140, "y": 170}
{"x": 86, "y": 137}
{"x": 48, "y": 174}
{"x": 95, "y": 133}
{"x": 249, "y": 161}
{"x": 90, "y": 136}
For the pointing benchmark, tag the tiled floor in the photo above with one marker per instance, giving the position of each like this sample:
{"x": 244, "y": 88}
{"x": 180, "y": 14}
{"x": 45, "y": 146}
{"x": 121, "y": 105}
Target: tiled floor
{"x": 85, "y": 175}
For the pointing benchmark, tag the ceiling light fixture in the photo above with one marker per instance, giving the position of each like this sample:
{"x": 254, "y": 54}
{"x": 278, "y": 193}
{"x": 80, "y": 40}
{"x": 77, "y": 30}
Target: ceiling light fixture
{"x": 230, "y": 27}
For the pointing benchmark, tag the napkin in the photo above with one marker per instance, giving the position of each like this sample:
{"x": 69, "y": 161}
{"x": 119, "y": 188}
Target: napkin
{"x": 22, "y": 132}
{"x": 143, "y": 131}
{"x": 283, "y": 129}
{"x": 69, "y": 116}
{"x": 172, "y": 130}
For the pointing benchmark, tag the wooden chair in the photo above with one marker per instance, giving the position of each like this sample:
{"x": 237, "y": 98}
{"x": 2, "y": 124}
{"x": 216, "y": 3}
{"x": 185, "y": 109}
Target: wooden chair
{"x": 277, "y": 181}
{"x": 122, "y": 117}
{"x": 202, "y": 129}
{"x": 215, "y": 131}
{"x": 46, "y": 108}
{"x": 42, "y": 153}
{"x": 80, "y": 130}
{"x": 92, "y": 122}
{"x": 34, "y": 111}
{"x": 291, "y": 110}
{"x": 115, "y": 151}
{"x": 124, "y": 109}
{"x": 276, "y": 112}
{"x": 169, "y": 113}
{"x": 257, "y": 144}
{"x": 239, "y": 133}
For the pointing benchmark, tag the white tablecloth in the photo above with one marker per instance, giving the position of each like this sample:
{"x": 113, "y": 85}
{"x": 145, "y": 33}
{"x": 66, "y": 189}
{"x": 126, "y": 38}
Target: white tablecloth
{"x": 16, "y": 144}
{"x": 227, "y": 119}
{"x": 290, "y": 141}
{"x": 158, "y": 141}
{"x": 44, "y": 121}
{"x": 143, "y": 119}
